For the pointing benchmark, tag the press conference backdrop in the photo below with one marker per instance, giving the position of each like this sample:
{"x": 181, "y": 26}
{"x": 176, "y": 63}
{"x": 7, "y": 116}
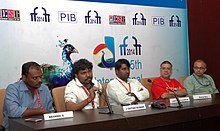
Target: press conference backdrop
{"x": 145, "y": 32}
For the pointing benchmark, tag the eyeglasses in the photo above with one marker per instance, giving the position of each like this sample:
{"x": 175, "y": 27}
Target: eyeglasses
{"x": 199, "y": 68}
{"x": 164, "y": 68}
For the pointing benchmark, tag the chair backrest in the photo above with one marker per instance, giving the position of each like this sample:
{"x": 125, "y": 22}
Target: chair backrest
{"x": 145, "y": 82}
{"x": 181, "y": 79}
{"x": 2, "y": 97}
{"x": 58, "y": 97}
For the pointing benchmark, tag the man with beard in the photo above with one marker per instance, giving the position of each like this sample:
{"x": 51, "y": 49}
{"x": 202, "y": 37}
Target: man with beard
{"x": 125, "y": 91}
{"x": 83, "y": 92}
{"x": 28, "y": 96}
{"x": 163, "y": 87}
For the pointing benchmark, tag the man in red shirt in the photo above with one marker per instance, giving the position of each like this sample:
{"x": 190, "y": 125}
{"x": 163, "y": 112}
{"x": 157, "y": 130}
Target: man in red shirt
{"x": 163, "y": 87}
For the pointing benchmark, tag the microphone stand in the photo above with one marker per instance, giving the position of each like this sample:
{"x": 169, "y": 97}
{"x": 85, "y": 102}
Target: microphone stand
{"x": 100, "y": 92}
{"x": 110, "y": 111}
{"x": 178, "y": 101}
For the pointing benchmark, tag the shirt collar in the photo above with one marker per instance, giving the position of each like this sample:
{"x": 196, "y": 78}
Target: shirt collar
{"x": 123, "y": 81}
{"x": 198, "y": 76}
{"x": 24, "y": 87}
{"x": 78, "y": 83}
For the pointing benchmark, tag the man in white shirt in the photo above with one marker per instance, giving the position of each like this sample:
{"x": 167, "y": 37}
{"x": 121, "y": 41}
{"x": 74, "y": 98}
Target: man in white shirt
{"x": 83, "y": 91}
{"x": 124, "y": 91}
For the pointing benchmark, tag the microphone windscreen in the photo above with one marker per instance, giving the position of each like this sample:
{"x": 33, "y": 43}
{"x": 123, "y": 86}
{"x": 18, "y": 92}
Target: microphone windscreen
{"x": 91, "y": 84}
{"x": 149, "y": 80}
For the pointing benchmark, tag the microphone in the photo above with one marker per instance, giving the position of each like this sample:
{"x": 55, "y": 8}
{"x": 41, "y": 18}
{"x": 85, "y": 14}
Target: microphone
{"x": 174, "y": 92}
{"x": 100, "y": 92}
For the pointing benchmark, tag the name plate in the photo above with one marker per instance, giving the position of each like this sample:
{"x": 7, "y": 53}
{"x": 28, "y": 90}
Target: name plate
{"x": 134, "y": 107}
{"x": 58, "y": 115}
{"x": 203, "y": 96}
{"x": 182, "y": 99}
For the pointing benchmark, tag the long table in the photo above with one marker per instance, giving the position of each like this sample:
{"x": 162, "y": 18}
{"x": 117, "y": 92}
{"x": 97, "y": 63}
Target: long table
{"x": 196, "y": 114}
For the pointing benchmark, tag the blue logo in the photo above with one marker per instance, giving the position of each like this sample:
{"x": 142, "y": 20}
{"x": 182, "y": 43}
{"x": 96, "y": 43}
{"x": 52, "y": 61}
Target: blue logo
{"x": 141, "y": 21}
{"x": 175, "y": 21}
{"x": 67, "y": 17}
{"x": 40, "y": 17}
{"x": 124, "y": 50}
{"x": 89, "y": 20}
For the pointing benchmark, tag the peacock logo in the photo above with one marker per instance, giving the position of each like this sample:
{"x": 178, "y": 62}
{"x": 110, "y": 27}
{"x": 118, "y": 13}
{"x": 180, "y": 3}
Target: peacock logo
{"x": 104, "y": 53}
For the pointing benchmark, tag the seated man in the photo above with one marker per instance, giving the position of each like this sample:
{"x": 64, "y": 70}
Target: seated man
{"x": 124, "y": 91}
{"x": 28, "y": 96}
{"x": 163, "y": 86}
{"x": 198, "y": 82}
{"x": 83, "y": 92}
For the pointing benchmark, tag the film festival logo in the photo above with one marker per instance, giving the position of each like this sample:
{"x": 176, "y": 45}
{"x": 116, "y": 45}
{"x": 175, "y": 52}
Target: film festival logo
{"x": 139, "y": 19}
{"x": 175, "y": 21}
{"x": 90, "y": 20}
{"x": 117, "y": 20}
{"x": 10, "y": 15}
{"x": 125, "y": 50}
{"x": 38, "y": 16}
{"x": 104, "y": 53}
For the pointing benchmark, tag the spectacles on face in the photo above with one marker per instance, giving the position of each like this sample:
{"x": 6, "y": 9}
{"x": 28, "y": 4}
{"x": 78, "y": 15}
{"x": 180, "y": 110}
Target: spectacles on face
{"x": 164, "y": 68}
{"x": 199, "y": 68}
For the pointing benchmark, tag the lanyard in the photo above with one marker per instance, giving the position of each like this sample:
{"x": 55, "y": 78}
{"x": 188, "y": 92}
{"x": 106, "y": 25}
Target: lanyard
{"x": 38, "y": 99}
{"x": 125, "y": 86}
{"x": 87, "y": 93}
{"x": 168, "y": 86}
{"x": 207, "y": 84}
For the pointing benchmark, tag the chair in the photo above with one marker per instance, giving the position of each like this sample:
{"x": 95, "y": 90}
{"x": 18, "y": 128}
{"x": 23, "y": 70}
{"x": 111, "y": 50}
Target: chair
{"x": 58, "y": 97}
{"x": 145, "y": 82}
{"x": 181, "y": 79}
{"x": 2, "y": 97}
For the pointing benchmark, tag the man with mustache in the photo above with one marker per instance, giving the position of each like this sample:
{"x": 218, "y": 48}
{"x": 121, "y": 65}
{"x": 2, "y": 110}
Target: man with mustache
{"x": 163, "y": 87}
{"x": 28, "y": 96}
{"x": 199, "y": 82}
{"x": 83, "y": 92}
{"x": 125, "y": 91}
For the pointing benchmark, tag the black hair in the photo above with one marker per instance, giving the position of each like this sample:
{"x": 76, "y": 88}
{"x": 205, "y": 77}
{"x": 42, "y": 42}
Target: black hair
{"x": 81, "y": 64}
{"x": 119, "y": 62}
{"x": 26, "y": 66}
{"x": 166, "y": 62}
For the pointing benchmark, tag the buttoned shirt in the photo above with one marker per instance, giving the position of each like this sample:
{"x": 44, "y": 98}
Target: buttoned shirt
{"x": 18, "y": 98}
{"x": 117, "y": 90}
{"x": 75, "y": 92}
{"x": 200, "y": 85}
{"x": 160, "y": 86}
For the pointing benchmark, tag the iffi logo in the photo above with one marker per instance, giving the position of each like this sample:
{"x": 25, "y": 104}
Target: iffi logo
{"x": 175, "y": 21}
{"x": 104, "y": 53}
{"x": 89, "y": 20}
{"x": 38, "y": 17}
{"x": 139, "y": 19}
{"x": 125, "y": 50}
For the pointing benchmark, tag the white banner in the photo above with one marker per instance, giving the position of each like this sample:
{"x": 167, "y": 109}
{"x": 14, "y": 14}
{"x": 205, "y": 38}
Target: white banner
{"x": 145, "y": 35}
